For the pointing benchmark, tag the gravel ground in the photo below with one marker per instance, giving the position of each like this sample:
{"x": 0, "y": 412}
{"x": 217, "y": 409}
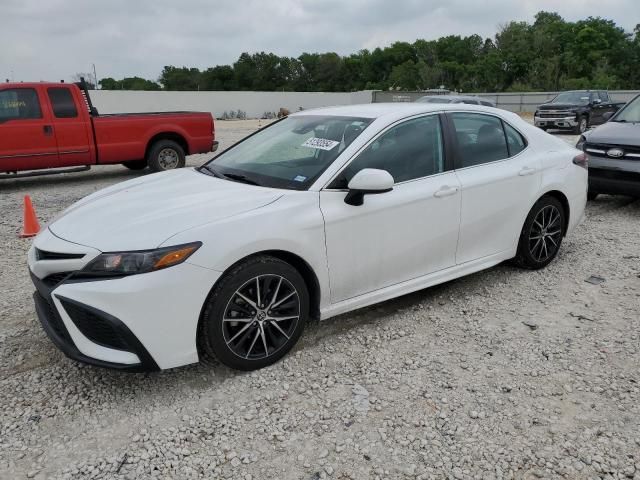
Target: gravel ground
{"x": 502, "y": 374}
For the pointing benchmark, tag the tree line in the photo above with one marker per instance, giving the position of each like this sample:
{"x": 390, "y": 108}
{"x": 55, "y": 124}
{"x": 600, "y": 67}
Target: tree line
{"x": 546, "y": 55}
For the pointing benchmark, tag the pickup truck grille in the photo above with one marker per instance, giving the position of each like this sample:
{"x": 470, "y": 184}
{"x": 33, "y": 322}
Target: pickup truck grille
{"x": 601, "y": 149}
{"x": 555, "y": 113}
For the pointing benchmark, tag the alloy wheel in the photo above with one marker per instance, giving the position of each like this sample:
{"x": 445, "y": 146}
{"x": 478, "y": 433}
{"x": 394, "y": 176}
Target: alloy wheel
{"x": 261, "y": 316}
{"x": 545, "y": 234}
{"x": 168, "y": 158}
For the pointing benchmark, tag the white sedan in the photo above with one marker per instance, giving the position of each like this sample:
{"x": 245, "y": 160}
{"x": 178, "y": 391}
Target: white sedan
{"x": 318, "y": 214}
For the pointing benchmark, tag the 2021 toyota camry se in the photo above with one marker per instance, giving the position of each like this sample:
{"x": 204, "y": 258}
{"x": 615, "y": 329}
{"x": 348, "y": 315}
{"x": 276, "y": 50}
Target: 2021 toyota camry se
{"x": 315, "y": 215}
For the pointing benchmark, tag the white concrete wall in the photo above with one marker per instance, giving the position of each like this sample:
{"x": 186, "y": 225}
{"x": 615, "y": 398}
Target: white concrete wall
{"x": 253, "y": 103}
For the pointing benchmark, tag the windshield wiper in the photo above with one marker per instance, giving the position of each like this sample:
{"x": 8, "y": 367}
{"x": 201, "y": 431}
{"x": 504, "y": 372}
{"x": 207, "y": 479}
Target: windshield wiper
{"x": 241, "y": 178}
{"x": 622, "y": 120}
{"x": 209, "y": 171}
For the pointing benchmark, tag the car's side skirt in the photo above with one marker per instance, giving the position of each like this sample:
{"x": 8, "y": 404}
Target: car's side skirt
{"x": 415, "y": 284}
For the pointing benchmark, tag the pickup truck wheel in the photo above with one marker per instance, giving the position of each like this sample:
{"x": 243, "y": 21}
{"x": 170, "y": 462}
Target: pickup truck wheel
{"x": 583, "y": 123}
{"x": 165, "y": 155}
{"x": 135, "y": 164}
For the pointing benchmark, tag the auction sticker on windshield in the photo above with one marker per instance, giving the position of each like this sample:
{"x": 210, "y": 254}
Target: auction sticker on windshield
{"x": 320, "y": 143}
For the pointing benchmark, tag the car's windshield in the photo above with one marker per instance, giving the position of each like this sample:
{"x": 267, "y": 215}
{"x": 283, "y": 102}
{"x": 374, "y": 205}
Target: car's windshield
{"x": 291, "y": 153}
{"x": 576, "y": 98}
{"x": 630, "y": 112}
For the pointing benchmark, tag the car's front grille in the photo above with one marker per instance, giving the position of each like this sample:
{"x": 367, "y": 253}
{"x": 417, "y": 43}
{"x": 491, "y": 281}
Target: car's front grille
{"x": 94, "y": 327}
{"x": 55, "y": 278}
{"x": 629, "y": 152}
{"x": 555, "y": 113}
{"x": 617, "y": 175}
{"x": 45, "y": 255}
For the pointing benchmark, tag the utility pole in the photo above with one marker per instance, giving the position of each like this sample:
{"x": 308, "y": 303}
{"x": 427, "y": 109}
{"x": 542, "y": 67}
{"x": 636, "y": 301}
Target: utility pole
{"x": 95, "y": 77}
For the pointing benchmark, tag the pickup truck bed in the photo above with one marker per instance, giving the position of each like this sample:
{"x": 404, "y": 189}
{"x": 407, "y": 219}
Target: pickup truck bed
{"x": 53, "y": 125}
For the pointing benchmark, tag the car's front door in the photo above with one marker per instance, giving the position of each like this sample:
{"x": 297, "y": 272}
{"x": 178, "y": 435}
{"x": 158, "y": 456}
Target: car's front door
{"x": 27, "y": 138}
{"x": 499, "y": 178}
{"x": 398, "y": 235}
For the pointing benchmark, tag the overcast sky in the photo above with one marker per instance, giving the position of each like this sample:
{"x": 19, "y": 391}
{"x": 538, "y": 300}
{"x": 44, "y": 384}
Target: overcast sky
{"x": 54, "y": 39}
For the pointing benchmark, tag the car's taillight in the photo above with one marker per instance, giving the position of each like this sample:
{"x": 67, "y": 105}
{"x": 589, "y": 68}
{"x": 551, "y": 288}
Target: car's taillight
{"x": 581, "y": 160}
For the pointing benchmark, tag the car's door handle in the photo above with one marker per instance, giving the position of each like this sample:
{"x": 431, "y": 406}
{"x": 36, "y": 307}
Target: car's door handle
{"x": 48, "y": 130}
{"x": 526, "y": 171}
{"x": 445, "y": 191}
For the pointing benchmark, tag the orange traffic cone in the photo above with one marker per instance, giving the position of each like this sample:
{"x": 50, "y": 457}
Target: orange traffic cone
{"x": 31, "y": 227}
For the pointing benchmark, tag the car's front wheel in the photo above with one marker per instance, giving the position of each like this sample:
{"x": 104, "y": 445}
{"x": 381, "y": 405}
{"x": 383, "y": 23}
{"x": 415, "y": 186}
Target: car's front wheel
{"x": 581, "y": 127}
{"x": 541, "y": 234}
{"x": 255, "y": 314}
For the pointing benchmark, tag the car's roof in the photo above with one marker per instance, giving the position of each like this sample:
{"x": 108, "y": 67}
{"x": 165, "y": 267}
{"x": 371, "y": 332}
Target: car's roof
{"x": 453, "y": 97}
{"x": 33, "y": 84}
{"x": 399, "y": 109}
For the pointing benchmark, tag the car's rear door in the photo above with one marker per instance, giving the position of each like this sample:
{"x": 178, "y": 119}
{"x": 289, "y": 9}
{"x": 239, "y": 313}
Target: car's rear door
{"x": 27, "y": 138}
{"x": 398, "y": 235}
{"x": 499, "y": 178}
{"x": 71, "y": 127}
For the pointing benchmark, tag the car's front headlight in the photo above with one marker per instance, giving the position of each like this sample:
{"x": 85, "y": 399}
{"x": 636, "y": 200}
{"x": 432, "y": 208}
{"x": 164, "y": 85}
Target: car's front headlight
{"x": 118, "y": 264}
{"x": 580, "y": 144}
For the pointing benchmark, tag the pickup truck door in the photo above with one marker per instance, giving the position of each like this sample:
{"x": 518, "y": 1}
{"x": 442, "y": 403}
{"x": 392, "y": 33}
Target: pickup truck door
{"x": 72, "y": 126}
{"x": 27, "y": 138}
{"x": 599, "y": 106}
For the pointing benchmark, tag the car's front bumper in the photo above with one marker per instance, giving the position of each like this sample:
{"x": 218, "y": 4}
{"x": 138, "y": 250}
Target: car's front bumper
{"x": 615, "y": 177}
{"x": 56, "y": 329}
{"x": 138, "y": 323}
{"x": 556, "y": 122}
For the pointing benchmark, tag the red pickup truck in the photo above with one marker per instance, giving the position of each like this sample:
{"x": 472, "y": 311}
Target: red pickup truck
{"x": 53, "y": 125}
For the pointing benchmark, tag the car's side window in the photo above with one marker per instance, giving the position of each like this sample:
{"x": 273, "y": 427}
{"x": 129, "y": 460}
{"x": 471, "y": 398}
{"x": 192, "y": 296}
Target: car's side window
{"x": 410, "y": 150}
{"x": 515, "y": 141}
{"x": 19, "y": 104}
{"x": 62, "y": 103}
{"x": 481, "y": 138}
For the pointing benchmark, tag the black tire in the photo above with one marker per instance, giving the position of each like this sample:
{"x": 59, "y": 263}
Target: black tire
{"x": 135, "y": 164}
{"x": 165, "y": 155}
{"x": 533, "y": 254}
{"x": 242, "y": 344}
{"x": 583, "y": 124}
{"x": 591, "y": 196}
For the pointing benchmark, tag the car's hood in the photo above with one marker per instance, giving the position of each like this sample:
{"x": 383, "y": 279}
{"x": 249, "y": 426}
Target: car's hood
{"x": 141, "y": 213}
{"x": 616, "y": 133}
{"x": 559, "y": 106}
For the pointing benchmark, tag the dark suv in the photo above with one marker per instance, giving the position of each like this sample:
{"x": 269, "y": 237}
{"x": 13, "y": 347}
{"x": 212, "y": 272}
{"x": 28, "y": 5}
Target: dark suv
{"x": 576, "y": 110}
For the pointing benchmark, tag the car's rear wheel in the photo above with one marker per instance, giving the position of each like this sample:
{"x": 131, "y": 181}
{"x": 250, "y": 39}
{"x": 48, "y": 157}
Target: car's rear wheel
{"x": 165, "y": 155}
{"x": 255, "y": 314}
{"x": 135, "y": 164}
{"x": 541, "y": 234}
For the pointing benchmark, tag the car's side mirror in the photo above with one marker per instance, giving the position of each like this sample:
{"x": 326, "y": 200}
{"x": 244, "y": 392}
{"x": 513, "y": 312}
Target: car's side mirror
{"x": 368, "y": 181}
{"x": 596, "y": 101}
{"x": 607, "y": 115}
